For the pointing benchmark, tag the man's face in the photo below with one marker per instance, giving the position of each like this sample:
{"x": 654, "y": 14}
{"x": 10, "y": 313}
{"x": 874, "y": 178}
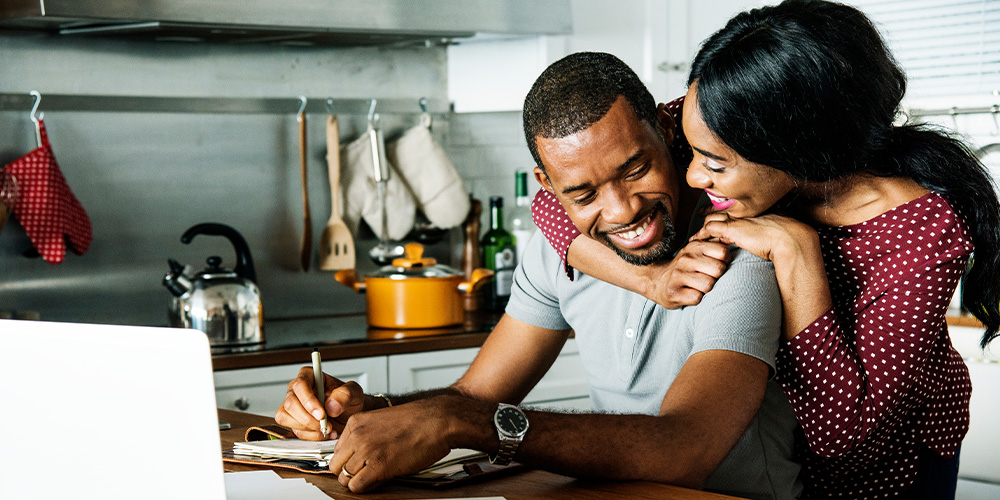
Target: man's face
{"x": 616, "y": 182}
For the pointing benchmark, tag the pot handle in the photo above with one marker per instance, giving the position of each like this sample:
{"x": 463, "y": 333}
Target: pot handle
{"x": 479, "y": 276}
{"x": 349, "y": 278}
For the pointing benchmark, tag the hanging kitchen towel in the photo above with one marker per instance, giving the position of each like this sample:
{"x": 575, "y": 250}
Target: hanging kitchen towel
{"x": 46, "y": 208}
{"x": 361, "y": 196}
{"x": 431, "y": 176}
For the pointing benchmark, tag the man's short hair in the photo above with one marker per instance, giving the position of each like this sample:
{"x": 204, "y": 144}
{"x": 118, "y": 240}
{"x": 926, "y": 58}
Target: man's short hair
{"x": 578, "y": 90}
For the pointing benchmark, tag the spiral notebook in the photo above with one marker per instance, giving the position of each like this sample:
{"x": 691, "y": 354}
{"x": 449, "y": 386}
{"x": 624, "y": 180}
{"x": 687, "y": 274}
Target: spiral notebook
{"x": 276, "y": 446}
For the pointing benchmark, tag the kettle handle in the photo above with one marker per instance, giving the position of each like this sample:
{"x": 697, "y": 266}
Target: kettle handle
{"x": 244, "y": 262}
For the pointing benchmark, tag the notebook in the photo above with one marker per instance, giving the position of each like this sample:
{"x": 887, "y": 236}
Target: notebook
{"x": 83, "y": 404}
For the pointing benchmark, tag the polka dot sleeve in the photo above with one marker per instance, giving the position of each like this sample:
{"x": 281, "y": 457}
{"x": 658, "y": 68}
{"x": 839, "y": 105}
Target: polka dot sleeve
{"x": 552, "y": 221}
{"x": 884, "y": 349}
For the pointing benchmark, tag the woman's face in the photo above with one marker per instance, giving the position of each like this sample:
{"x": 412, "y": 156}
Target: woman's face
{"x": 733, "y": 184}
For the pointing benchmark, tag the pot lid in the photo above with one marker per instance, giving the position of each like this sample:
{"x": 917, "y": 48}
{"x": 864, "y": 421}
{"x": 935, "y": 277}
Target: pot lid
{"x": 415, "y": 265}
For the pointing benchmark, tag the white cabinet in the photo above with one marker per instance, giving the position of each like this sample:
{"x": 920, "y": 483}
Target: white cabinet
{"x": 494, "y": 74}
{"x": 261, "y": 390}
{"x": 563, "y": 386}
{"x": 981, "y": 447}
{"x": 656, "y": 38}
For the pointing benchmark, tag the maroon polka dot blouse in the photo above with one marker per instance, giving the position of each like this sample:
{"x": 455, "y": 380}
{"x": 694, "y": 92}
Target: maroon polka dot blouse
{"x": 875, "y": 378}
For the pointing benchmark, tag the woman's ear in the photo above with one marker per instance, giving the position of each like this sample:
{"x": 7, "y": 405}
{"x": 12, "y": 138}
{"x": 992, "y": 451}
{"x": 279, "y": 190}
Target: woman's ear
{"x": 543, "y": 179}
{"x": 665, "y": 123}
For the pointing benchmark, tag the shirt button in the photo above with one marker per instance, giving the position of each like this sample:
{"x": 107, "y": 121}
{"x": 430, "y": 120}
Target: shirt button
{"x": 629, "y": 333}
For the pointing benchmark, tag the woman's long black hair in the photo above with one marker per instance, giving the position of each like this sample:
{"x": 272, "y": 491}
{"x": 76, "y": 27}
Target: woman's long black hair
{"x": 809, "y": 87}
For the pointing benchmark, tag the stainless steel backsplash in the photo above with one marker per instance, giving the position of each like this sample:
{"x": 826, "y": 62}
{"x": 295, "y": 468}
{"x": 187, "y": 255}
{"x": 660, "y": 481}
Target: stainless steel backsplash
{"x": 144, "y": 178}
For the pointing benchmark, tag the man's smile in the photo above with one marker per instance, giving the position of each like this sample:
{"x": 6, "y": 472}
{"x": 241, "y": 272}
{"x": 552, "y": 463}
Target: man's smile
{"x": 639, "y": 234}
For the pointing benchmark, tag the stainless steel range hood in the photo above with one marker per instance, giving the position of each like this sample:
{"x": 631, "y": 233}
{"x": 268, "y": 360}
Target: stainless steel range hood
{"x": 326, "y": 22}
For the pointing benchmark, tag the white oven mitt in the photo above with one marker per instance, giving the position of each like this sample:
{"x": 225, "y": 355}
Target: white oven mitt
{"x": 361, "y": 192}
{"x": 435, "y": 183}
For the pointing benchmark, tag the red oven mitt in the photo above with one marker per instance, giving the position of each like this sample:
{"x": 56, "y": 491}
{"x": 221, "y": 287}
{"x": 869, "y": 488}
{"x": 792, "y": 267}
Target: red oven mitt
{"x": 46, "y": 207}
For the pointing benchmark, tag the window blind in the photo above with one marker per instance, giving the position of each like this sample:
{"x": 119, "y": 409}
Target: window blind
{"x": 947, "y": 47}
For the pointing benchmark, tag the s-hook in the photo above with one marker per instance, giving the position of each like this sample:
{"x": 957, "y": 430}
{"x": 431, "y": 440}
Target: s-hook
{"x": 996, "y": 126}
{"x": 372, "y": 117}
{"x": 425, "y": 117}
{"x": 36, "y": 117}
{"x": 302, "y": 107}
{"x": 329, "y": 105}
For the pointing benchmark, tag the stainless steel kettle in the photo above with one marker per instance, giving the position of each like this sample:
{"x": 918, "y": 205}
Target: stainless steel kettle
{"x": 223, "y": 303}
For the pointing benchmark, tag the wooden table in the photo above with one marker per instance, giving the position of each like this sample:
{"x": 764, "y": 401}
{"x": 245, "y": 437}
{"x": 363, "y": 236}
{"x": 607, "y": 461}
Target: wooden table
{"x": 522, "y": 485}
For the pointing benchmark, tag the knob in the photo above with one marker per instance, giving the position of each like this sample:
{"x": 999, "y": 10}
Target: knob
{"x": 242, "y": 404}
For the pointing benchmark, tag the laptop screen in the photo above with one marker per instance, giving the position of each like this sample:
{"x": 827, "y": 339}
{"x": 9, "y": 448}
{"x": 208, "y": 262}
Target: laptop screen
{"x": 107, "y": 411}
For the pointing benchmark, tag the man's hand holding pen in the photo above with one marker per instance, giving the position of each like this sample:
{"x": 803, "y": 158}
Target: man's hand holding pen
{"x": 302, "y": 410}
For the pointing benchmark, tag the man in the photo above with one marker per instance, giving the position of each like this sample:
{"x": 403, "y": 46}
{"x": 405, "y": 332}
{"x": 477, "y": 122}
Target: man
{"x": 685, "y": 393}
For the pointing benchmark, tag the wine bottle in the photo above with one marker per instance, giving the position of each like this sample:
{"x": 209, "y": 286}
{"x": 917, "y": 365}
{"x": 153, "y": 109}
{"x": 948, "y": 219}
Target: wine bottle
{"x": 522, "y": 225}
{"x": 499, "y": 256}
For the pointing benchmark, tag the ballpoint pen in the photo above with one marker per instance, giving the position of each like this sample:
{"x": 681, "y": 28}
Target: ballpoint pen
{"x": 320, "y": 390}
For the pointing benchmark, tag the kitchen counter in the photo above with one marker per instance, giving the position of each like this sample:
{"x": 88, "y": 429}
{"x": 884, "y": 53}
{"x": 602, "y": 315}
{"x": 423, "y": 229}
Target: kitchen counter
{"x": 349, "y": 336}
{"x": 526, "y": 484}
{"x": 964, "y": 320}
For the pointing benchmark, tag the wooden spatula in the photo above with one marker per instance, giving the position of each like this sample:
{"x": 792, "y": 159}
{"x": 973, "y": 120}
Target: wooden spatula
{"x": 305, "y": 250}
{"x": 336, "y": 245}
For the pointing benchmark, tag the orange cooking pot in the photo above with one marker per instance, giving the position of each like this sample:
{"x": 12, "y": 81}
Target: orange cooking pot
{"x": 414, "y": 291}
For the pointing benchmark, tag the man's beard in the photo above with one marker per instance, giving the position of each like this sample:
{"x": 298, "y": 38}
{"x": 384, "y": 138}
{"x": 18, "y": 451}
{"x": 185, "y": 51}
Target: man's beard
{"x": 660, "y": 251}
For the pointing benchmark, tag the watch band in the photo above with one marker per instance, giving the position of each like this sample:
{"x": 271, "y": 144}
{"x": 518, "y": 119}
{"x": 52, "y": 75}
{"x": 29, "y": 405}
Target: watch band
{"x": 505, "y": 454}
{"x": 508, "y": 442}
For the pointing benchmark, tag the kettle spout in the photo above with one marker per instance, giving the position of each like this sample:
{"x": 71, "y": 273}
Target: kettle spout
{"x": 175, "y": 281}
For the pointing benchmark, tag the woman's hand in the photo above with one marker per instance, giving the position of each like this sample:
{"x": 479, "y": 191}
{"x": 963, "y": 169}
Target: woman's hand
{"x": 771, "y": 237}
{"x": 793, "y": 247}
{"x": 686, "y": 278}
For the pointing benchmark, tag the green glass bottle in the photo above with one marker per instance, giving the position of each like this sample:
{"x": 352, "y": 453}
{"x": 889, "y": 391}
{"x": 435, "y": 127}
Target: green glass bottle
{"x": 499, "y": 256}
{"x": 522, "y": 225}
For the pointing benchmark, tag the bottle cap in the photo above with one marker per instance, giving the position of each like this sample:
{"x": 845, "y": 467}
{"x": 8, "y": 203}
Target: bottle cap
{"x": 520, "y": 183}
{"x": 496, "y": 201}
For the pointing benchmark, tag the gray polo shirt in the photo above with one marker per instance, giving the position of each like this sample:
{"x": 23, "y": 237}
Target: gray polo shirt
{"x": 632, "y": 349}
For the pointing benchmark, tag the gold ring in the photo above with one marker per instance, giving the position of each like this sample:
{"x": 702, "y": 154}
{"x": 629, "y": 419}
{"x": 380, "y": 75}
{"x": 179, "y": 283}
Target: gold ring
{"x": 346, "y": 474}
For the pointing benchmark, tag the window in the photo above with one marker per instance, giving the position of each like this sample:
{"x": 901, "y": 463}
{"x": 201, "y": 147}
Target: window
{"x": 948, "y": 48}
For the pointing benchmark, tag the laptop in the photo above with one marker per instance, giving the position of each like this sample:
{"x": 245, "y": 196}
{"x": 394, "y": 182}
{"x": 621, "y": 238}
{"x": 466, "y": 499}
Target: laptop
{"x": 107, "y": 412}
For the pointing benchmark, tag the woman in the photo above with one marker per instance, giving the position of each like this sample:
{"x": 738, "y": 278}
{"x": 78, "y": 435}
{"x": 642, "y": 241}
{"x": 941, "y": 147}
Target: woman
{"x": 792, "y": 106}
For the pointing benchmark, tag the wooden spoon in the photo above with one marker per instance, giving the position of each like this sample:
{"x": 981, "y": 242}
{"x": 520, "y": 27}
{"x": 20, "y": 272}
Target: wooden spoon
{"x": 305, "y": 251}
{"x": 336, "y": 245}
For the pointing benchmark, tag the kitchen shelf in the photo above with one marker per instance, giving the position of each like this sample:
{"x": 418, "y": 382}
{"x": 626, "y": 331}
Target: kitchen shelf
{"x": 209, "y": 105}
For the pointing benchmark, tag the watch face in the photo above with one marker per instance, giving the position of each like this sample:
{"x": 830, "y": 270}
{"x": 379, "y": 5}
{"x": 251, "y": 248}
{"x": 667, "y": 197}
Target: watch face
{"x": 511, "y": 421}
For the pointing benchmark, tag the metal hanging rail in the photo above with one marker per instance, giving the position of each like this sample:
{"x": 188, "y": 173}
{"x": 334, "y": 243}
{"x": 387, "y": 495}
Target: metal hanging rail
{"x": 208, "y": 105}
{"x": 994, "y": 109}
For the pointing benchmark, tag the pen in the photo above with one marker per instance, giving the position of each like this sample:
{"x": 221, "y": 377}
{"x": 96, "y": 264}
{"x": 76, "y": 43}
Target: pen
{"x": 320, "y": 391}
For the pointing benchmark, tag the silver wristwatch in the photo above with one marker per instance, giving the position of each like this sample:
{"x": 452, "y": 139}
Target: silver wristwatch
{"x": 511, "y": 424}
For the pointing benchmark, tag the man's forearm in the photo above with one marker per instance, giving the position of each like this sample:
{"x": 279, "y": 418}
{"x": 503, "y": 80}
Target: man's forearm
{"x": 374, "y": 402}
{"x": 619, "y": 447}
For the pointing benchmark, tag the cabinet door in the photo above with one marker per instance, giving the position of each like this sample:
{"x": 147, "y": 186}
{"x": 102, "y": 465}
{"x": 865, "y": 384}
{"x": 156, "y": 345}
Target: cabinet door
{"x": 261, "y": 390}
{"x": 564, "y": 386}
